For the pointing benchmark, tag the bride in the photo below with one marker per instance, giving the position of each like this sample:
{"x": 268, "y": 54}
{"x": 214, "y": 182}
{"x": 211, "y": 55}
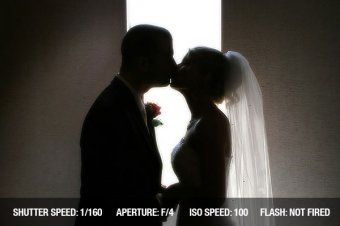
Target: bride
{"x": 202, "y": 159}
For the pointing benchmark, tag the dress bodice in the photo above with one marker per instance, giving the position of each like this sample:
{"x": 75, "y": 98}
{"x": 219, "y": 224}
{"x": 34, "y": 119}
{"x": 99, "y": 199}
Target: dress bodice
{"x": 186, "y": 163}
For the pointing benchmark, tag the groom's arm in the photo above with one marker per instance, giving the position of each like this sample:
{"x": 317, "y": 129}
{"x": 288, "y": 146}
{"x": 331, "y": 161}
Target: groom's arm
{"x": 103, "y": 139}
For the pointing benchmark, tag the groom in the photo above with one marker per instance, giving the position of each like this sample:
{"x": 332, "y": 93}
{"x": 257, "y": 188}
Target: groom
{"x": 121, "y": 165}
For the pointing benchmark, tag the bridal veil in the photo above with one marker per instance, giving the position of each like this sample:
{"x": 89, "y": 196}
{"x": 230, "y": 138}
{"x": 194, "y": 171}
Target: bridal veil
{"x": 249, "y": 172}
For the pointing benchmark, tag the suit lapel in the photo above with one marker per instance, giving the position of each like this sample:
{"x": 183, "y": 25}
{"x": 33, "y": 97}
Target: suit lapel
{"x": 133, "y": 111}
{"x": 151, "y": 127}
{"x": 139, "y": 123}
{"x": 153, "y": 137}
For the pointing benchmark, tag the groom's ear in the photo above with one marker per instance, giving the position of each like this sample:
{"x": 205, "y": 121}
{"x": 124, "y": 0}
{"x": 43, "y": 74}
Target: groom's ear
{"x": 143, "y": 64}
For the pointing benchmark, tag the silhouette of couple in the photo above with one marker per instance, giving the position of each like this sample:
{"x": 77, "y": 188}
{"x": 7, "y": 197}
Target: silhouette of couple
{"x": 121, "y": 166}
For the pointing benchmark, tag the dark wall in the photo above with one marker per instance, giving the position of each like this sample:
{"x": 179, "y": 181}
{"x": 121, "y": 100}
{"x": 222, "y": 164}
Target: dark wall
{"x": 56, "y": 56}
{"x": 294, "y": 49}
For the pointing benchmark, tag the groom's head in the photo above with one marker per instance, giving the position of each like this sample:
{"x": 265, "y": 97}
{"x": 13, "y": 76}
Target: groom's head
{"x": 147, "y": 55}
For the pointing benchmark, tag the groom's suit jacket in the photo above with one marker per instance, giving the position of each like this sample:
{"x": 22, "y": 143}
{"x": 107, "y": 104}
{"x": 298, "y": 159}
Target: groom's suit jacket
{"x": 119, "y": 155}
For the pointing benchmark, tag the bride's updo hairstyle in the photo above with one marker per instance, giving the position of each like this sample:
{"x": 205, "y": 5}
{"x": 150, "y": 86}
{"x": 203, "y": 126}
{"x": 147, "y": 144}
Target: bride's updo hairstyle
{"x": 223, "y": 82}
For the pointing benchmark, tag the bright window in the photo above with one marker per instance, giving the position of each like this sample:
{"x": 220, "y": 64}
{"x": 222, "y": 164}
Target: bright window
{"x": 192, "y": 23}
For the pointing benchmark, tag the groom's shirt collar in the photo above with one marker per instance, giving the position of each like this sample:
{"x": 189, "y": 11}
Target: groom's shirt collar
{"x": 139, "y": 99}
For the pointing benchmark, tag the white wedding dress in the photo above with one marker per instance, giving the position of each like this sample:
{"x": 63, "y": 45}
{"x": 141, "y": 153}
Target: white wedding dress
{"x": 248, "y": 170}
{"x": 185, "y": 162}
{"x": 187, "y": 167}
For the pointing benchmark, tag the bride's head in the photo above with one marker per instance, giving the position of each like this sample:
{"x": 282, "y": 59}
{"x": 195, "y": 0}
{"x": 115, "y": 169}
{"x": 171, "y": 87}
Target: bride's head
{"x": 206, "y": 73}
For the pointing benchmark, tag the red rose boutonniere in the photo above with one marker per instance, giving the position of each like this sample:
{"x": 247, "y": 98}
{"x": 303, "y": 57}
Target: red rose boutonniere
{"x": 154, "y": 110}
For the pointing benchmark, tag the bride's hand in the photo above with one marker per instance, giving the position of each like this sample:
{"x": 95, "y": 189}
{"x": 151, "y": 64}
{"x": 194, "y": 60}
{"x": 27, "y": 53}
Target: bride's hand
{"x": 171, "y": 196}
